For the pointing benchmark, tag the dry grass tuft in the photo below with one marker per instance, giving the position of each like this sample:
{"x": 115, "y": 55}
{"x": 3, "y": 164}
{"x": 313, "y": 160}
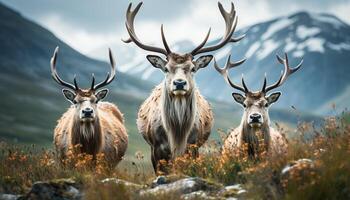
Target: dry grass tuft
{"x": 327, "y": 177}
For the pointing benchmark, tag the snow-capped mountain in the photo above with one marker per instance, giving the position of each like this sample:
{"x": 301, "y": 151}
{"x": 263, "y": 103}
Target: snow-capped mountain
{"x": 321, "y": 39}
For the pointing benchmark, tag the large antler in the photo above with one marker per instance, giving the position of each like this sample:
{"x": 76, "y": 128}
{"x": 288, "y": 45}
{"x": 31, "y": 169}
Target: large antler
{"x": 224, "y": 73}
{"x": 130, "y": 17}
{"x": 284, "y": 74}
{"x": 110, "y": 76}
{"x": 55, "y": 75}
{"x": 231, "y": 23}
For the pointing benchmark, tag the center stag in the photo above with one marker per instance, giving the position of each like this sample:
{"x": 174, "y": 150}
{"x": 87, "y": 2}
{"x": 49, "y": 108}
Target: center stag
{"x": 96, "y": 127}
{"x": 176, "y": 115}
{"x": 255, "y": 123}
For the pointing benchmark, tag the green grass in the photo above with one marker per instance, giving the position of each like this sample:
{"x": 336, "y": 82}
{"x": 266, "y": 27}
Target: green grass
{"x": 328, "y": 178}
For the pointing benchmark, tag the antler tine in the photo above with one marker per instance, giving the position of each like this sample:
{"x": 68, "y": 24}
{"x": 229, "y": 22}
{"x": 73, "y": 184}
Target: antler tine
{"x": 75, "y": 81}
{"x": 264, "y": 84}
{"x": 237, "y": 39}
{"x": 224, "y": 73}
{"x": 130, "y": 17}
{"x": 55, "y": 75}
{"x": 284, "y": 74}
{"x": 93, "y": 81}
{"x": 244, "y": 85}
{"x": 201, "y": 45}
{"x": 110, "y": 76}
{"x": 164, "y": 40}
{"x": 231, "y": 21}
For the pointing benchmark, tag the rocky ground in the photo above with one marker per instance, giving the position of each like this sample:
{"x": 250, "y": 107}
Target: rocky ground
{"x": 162, "y": 187}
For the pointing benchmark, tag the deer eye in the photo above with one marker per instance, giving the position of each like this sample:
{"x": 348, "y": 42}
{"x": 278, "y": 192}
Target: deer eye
{"x": 193, "y": 69}
{"x": 75, "y": 101}
{"x": 266, "y": 105}
{"x": 244, "y": 105}
{"x": 166, "y": 70}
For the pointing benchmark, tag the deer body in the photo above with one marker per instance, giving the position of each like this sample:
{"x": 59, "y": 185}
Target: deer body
{"x": 106, "y": 134}
{"x": 169, "y": 123}
{"x": 92, "y": 126}
{"x": 255, "y": 130}
{"x": 176, "y": 114}
{"x": 273, "y": 141}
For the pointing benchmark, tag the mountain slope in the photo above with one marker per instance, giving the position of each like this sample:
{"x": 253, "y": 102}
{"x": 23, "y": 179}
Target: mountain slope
{"x": 322, "y": 40}
{"x": 32, "y": 101}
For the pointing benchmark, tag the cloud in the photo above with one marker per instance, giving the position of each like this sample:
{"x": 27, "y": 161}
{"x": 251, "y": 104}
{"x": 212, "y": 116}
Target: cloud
{"x": 78, "y": 38}
{"x": 92, "y": 27}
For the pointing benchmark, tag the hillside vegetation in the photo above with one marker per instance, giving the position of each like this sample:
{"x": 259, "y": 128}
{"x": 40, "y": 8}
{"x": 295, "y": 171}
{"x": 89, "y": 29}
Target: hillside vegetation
{"x": 325, "y": 176}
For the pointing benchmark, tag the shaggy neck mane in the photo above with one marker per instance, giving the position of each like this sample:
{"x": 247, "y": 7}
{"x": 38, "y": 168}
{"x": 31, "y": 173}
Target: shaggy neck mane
{"x": 88, "y": 135}
{"x": 252, "y": 136}
{"x": 178, "y": 116}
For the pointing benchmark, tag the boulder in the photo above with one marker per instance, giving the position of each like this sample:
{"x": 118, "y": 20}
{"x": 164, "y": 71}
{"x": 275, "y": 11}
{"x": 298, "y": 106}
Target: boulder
{"x": 9, "y": 197}
{"x": 300, "y": 172}
{"x": 60, "y": 189}
{"x": 171, "y": 187}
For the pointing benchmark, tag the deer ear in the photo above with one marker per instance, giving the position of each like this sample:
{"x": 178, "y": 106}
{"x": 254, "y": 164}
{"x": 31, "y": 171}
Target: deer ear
{"x": 156, "y": 61}
{"x": 69, "y": 95}
{"x": 272, "y": 98}
{"x": 203, "y": 61}
{"x": 101, "y": 94}
{"x": 238, "y": 98}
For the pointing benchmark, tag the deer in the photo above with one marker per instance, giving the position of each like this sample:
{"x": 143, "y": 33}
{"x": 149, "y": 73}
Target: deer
{"x": 255, "y": 123}
{"x": 176, "y": 116}
{"x": 96, "y": 127}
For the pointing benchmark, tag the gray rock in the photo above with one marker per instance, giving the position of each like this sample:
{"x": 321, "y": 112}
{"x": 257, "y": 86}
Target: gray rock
{"x": 300, "y": 172}
{"x": 61, "y": 189}
{"x": 295, "y": 165}
{"x": 171, "y": 187}
{"x": 182, "y": 187}
{"x": 198, "y": 195}
{"x": 129, "y": 185}
{"x": 160, "y": 180}
{"x": 232, "y": 190}
{"x": 9, "y": 197}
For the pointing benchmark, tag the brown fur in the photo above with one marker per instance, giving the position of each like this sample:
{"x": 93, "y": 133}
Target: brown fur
{"x": 236, "y": 139}
{"x": 109, "y": 136}
{"x": 149, "y": 116}
{"x": 273, "y": 141}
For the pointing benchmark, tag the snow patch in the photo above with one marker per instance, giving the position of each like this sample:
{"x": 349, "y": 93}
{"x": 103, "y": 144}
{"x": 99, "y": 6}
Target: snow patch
{"x": 276, "y": 26}
{"x": 290, "y": 45}
{"x": 298, "y": 54}
{"x": 313, "y": 44}
{"x": 268, "y": 47}
{"x": 252, "y": 49}
{"x": 304, "y": 32}
{"x": 339, "y": 47}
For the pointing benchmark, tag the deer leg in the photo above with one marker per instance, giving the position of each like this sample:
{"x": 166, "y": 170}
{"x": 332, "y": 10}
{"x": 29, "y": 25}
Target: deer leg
{"x": 153, "y": 159}
{"x": 192, "y": 144}
{"x": 160, "y": 160}
{"x": 161, "y": 153}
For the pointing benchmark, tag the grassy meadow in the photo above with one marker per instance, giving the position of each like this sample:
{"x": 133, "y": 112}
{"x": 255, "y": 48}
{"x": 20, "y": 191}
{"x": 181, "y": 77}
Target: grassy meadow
{"x": 327, "y": 178}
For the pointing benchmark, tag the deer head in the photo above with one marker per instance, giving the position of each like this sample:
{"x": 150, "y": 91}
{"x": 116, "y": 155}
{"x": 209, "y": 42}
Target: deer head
{"x": 256, "y": 104}
{"x": 84, "y": 100}
{"x": 180, "y": 68}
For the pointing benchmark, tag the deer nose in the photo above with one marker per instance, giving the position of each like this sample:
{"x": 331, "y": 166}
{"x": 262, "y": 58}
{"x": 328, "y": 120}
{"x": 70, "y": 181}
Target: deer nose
{"x": 179, "y": 83}
{"x": 87, "y": 112}
{"x": 255, "y": 117}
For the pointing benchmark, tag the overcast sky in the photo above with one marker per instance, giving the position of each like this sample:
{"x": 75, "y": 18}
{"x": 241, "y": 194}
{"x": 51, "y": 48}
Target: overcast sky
{"x": 90, "y": 25}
